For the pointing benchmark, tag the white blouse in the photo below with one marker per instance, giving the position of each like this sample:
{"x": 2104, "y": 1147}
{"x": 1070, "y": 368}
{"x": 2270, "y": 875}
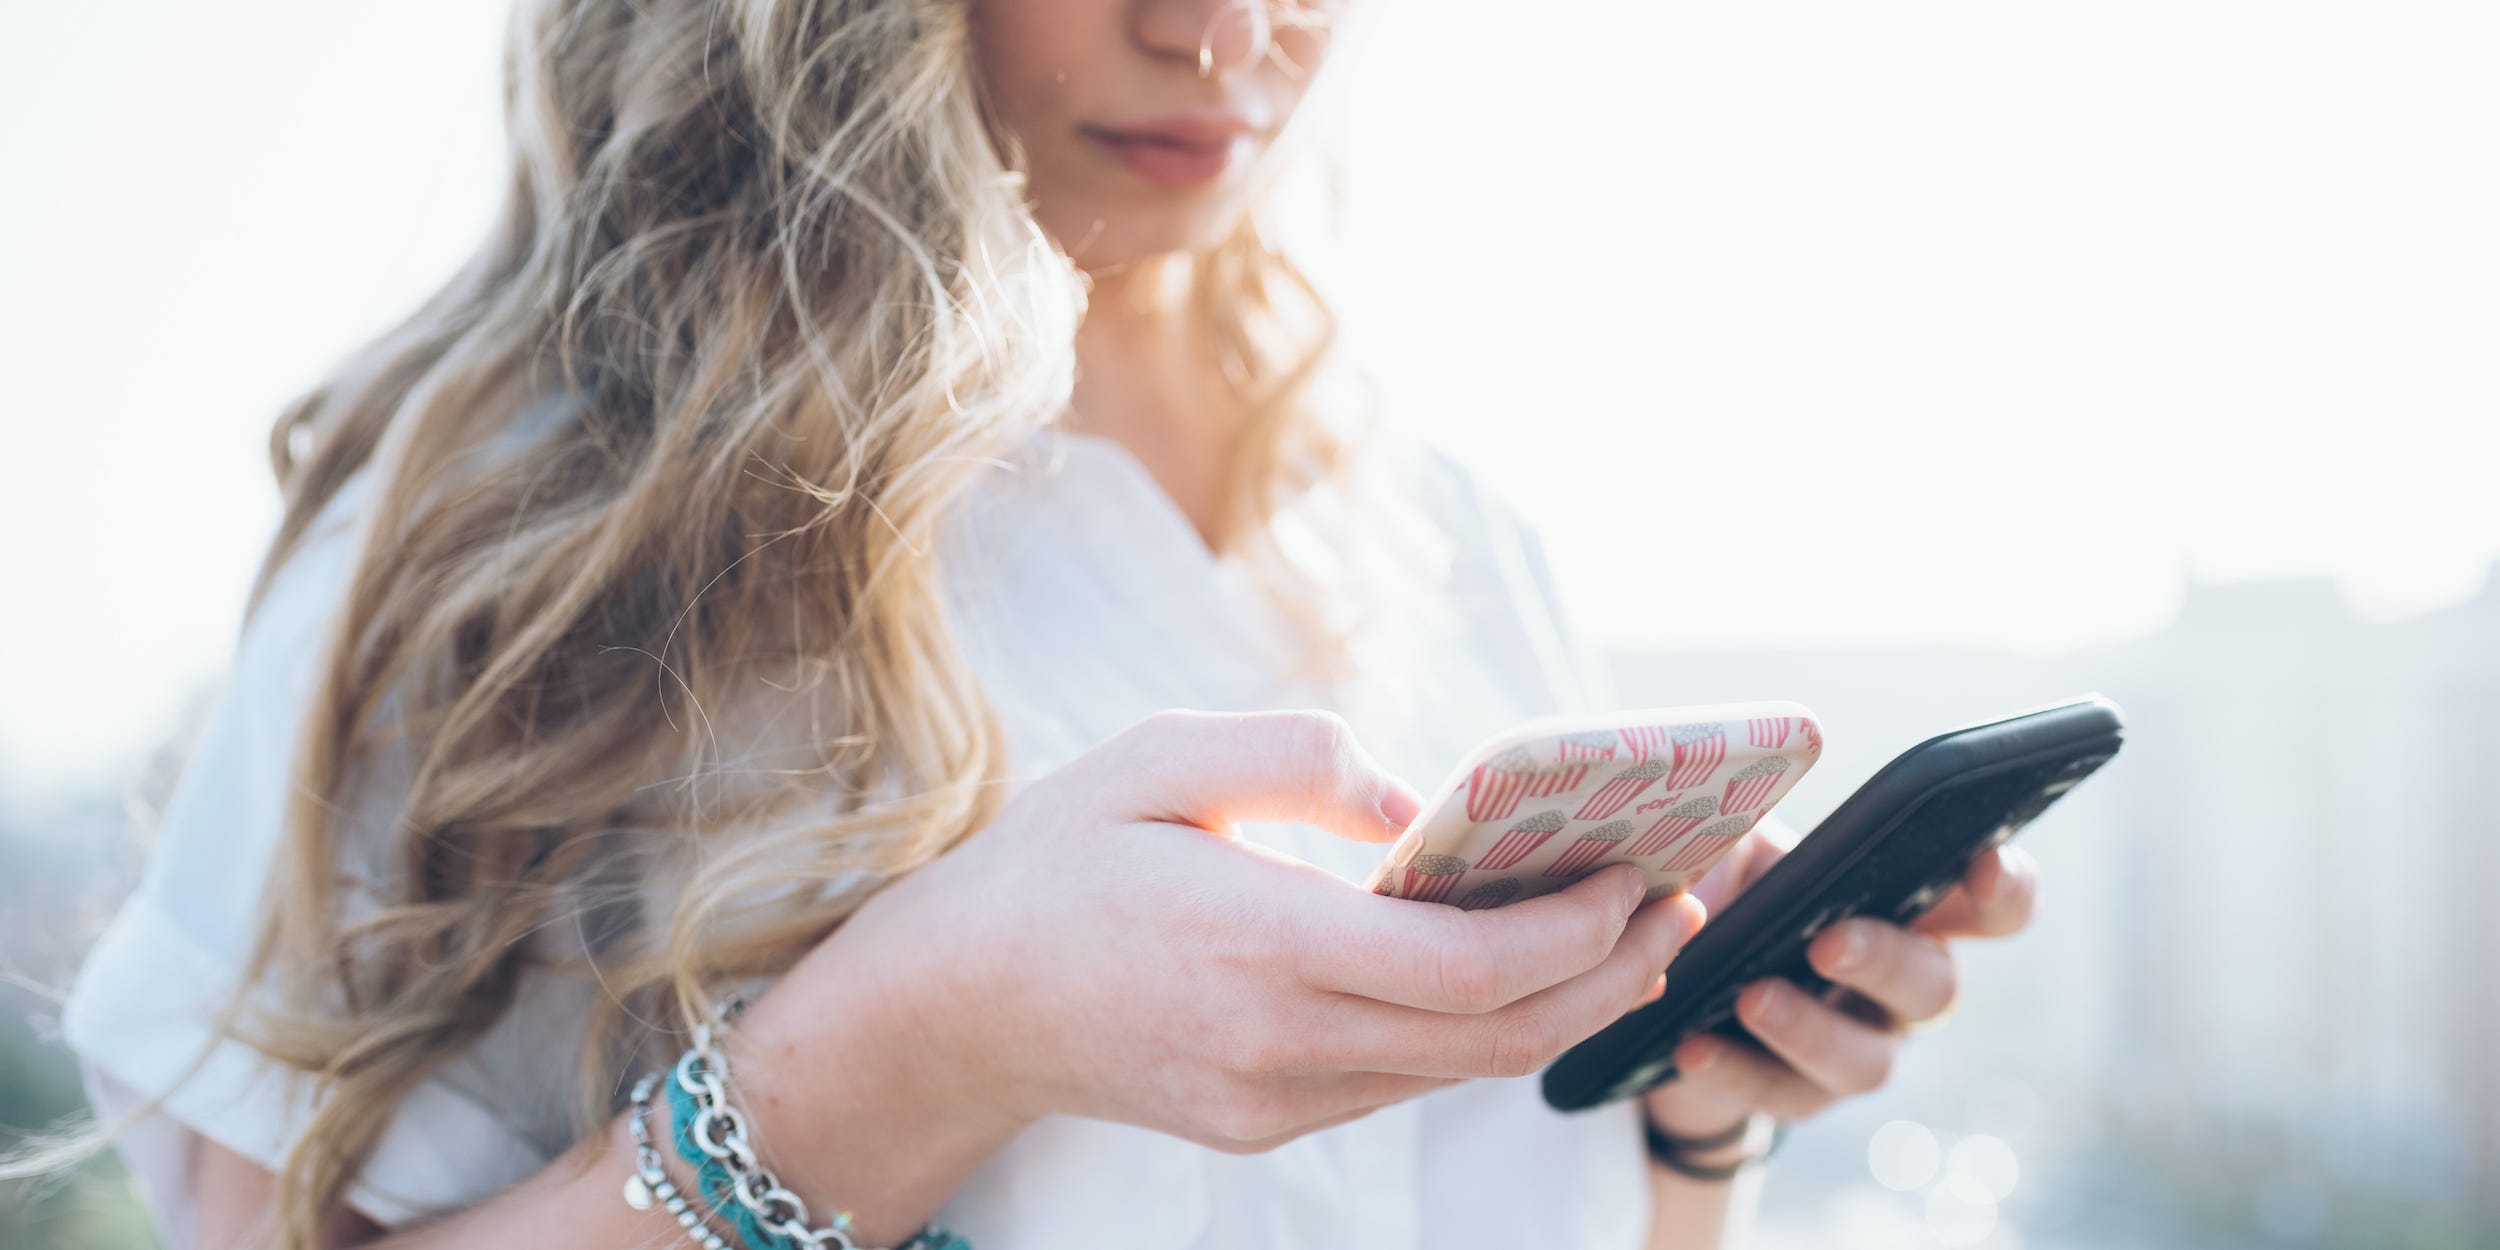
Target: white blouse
{"x": 1071, "y": 552}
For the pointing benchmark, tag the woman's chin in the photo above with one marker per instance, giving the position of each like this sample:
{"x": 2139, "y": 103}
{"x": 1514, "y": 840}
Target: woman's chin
{"x": 1110, "y": 242}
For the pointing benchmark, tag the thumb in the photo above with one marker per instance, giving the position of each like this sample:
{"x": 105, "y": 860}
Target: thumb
{"x": 1211, "y": 769}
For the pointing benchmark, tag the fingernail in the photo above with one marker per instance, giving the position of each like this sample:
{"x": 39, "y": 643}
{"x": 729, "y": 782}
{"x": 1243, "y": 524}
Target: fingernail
{"x": 1696, "y": 914}
{"x": 1636, "y": 887}
{"x": 1399, "y": 804}
{"x": 1852, "y": 947}
{"x": 1771, "y": 1007}
{"x": 1709, "y": 1055}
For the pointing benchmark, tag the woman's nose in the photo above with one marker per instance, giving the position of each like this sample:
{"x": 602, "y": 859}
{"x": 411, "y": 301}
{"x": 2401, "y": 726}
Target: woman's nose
{"x": 1212, "y": 36}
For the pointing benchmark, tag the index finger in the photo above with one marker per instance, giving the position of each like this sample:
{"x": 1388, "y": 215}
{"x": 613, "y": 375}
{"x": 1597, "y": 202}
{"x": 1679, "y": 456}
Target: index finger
{"x": 1442, "y": 958}
{"x": 1995, "y": 897}
{"x": 1205, "y": 769}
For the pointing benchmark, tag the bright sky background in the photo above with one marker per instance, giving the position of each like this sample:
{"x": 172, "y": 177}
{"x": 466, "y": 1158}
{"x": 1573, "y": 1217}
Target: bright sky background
{"x": 1788, "y": 323}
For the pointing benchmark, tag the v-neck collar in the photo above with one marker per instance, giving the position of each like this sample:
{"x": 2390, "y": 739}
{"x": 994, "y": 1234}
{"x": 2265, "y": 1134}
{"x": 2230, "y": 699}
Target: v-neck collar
{"x": 1157, "y": 551}
{"x": 1142, "y": 482}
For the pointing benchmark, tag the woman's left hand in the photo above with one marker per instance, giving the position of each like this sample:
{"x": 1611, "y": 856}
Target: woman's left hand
{"x": 1812, "y": 1053}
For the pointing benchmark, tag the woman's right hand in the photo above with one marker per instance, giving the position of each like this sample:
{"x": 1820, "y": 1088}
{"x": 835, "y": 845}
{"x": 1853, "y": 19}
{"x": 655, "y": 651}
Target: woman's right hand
{"x": 1107, "y": 948}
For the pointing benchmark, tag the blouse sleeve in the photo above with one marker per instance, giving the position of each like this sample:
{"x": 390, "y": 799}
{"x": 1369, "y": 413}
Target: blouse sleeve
{"x": 139, "y": 1014}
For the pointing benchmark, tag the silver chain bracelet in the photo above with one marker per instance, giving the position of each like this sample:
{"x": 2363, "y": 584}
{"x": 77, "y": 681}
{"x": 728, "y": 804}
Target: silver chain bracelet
{"x": 650, "y": 1182}
{"x": 719, "y": 1130}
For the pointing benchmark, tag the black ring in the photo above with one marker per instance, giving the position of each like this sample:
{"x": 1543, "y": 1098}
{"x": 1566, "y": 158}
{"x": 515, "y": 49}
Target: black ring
{"x": 1726, "y": 1171}
{"x": 1669, "y": 1149}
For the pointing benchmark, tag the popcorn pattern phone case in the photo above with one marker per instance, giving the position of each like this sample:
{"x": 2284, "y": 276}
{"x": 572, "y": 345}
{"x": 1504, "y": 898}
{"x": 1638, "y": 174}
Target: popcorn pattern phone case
{"x": 1550, "y": 801}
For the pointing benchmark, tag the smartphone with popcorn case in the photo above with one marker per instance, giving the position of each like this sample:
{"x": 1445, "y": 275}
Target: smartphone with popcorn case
{"x": 1540, "y": 805}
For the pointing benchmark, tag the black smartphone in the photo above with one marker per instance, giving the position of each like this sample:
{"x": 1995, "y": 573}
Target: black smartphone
{"x": 1891, "y": 849}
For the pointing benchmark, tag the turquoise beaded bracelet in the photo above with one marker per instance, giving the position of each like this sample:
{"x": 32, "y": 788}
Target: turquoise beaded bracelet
{"x": 711, "y": 1134}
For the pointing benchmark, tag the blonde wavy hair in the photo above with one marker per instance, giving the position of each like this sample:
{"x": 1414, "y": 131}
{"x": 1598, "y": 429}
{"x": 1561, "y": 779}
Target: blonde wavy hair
{"x": 771, "y": 261}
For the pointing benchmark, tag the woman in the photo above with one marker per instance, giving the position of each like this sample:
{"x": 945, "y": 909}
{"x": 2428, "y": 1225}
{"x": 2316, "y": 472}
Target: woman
{"x": 867, "y": 538}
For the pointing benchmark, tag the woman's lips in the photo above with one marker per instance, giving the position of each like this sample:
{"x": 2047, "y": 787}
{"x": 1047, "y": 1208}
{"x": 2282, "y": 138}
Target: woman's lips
{"x": 1179, "y": 155}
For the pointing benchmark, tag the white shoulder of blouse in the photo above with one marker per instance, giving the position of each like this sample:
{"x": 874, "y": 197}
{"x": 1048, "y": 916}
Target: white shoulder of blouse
{"x": 138, "y": 1014}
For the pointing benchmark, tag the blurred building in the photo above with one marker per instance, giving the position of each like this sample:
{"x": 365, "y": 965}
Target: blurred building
{"x": 2265, "y": 978}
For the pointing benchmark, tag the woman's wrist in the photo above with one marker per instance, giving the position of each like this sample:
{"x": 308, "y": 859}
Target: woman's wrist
{"x": 1714, "y": 1156}
{"x": 850, "y": 1117}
